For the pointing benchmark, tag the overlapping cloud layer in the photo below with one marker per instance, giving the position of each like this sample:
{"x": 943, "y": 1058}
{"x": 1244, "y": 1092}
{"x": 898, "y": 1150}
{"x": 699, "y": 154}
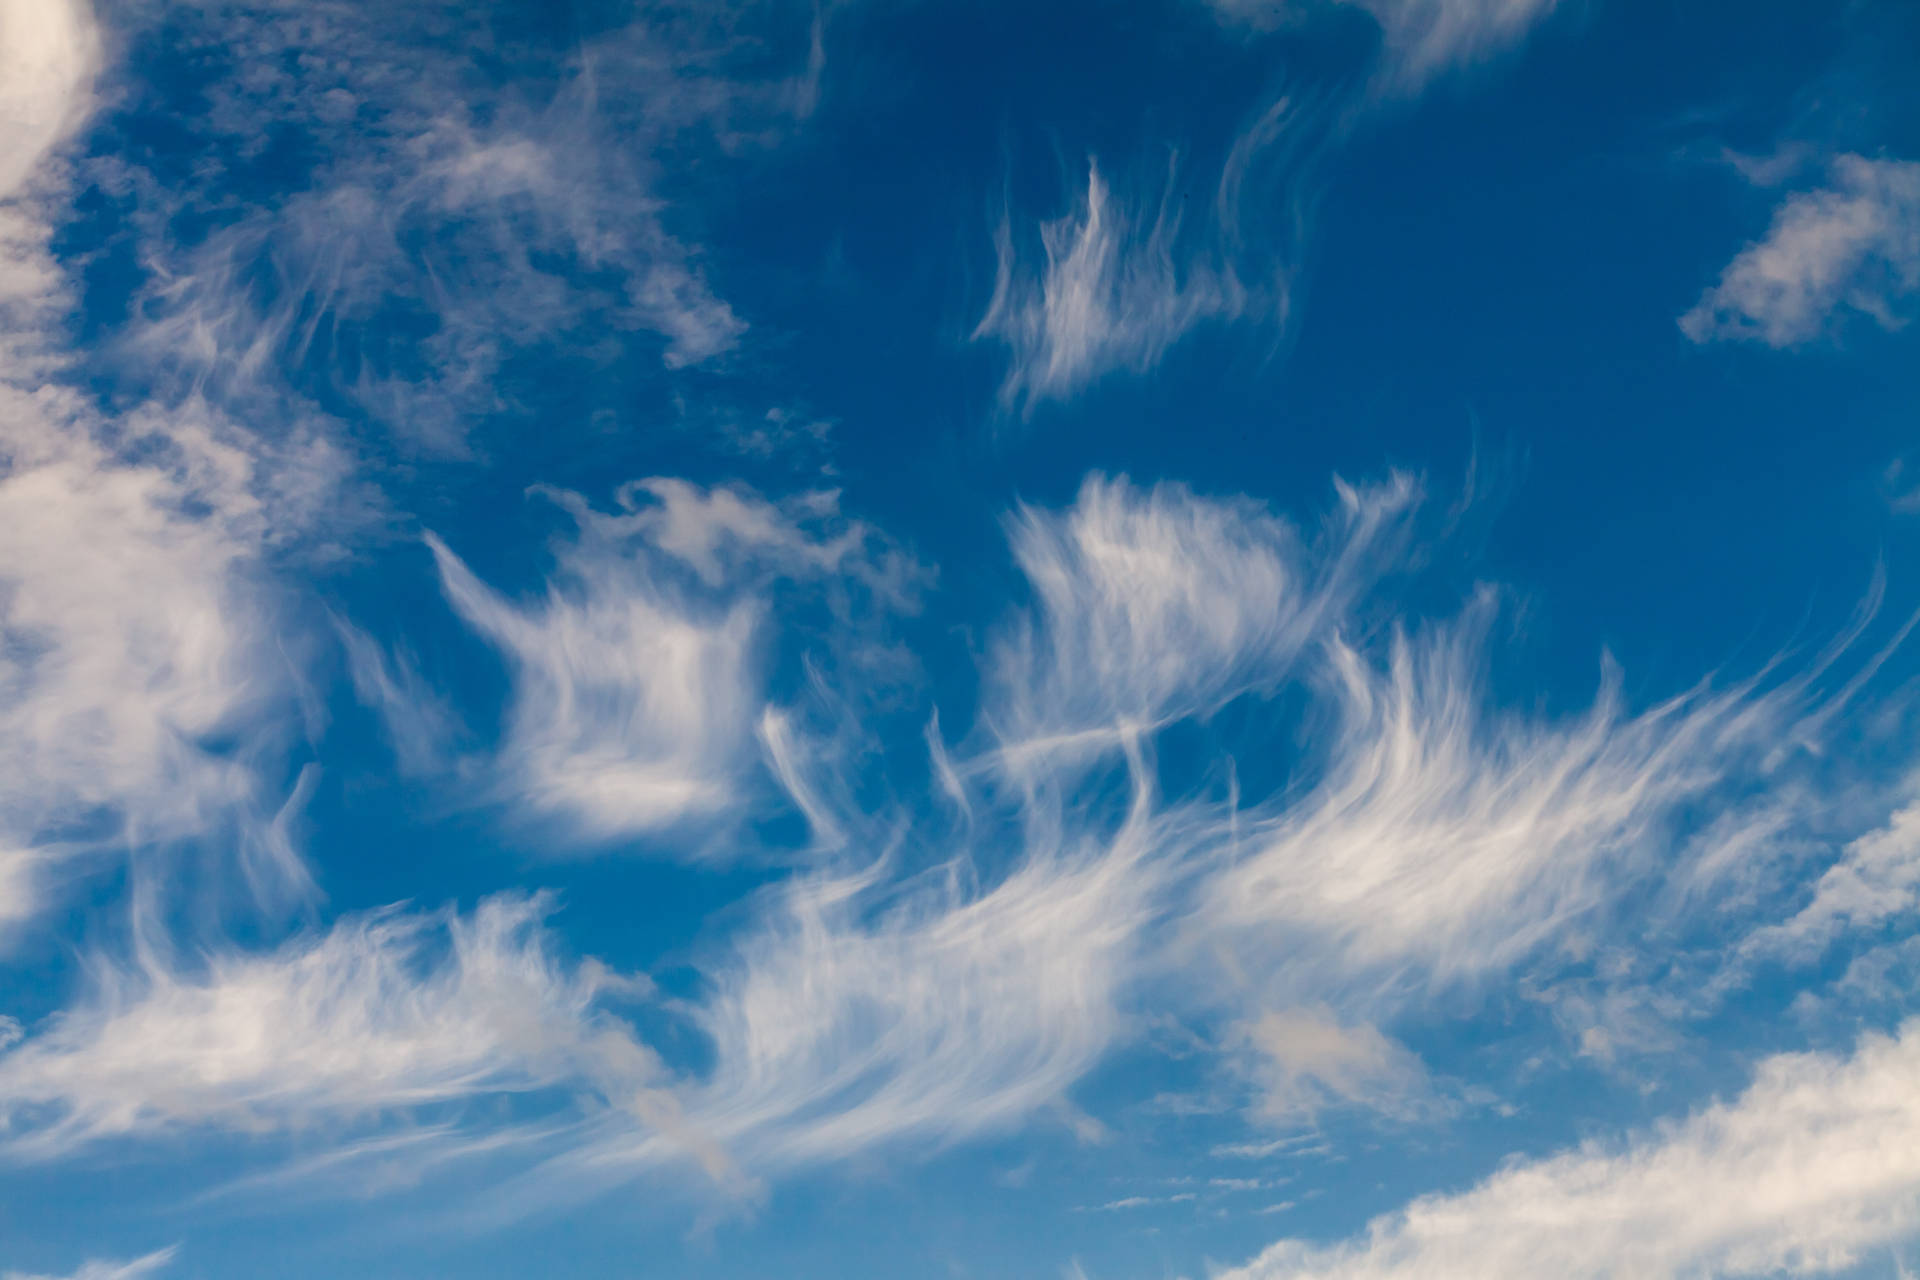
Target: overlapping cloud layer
{"x": 1211, "y": 769}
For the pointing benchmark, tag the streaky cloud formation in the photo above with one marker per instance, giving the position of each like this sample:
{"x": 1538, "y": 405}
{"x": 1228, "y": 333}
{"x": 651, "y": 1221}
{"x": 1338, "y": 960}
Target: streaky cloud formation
{"x": 1875, "y": 879}
{"x": 867, "y": 1013}
{"x": 1442, "y": 841}
{"x": 977, "y": 850}
{"x": 48, "y": 55}
{"x": 927, "y": 986}
{"x": 142, "y": 691}
{"x": 447, "y": 229}
{"x": 1155, "y": 605}
{"x": 136, "y": 638}
{"x": 638, "y": 681}
{"x": 1121, "y": 277}
{"x": 1851, "y": 248}
{"x": 383, "y": 1014}
{"x": 1108, "y": 293}
{"x": 1815, "y": 1164}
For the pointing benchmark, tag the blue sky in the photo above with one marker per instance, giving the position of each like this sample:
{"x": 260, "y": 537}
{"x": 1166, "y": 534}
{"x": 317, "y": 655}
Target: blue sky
{"x": 1233, "y": 639}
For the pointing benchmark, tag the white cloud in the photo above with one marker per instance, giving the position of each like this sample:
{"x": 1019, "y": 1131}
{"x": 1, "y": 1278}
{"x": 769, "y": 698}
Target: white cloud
{"x": 420, "y": 724}
{"x": 637, "y": 681}
{"x": 1154, "y": 605}
{"x": 447, "y": 225}
{"x": 1813, "y": 1167}
{"x": 944, "y": 1015}
{"x": 1420, "y": 39}
{"x": 1113, "y": 290}
{"x": 142, "y": 690}
{"x": 1116, "y": 282}
{"x": 98, "y": 1270}
{"x": 631, "y": 710}
{"x": 1852, "y": 247}
{"x": 135, "y": 637}
{"x": 49, "y": 51}
{"x": 1424, "y": 38}
{"x": 1304, "y": 1060}
{"x": 1876, "y": 878}
{"x": 1441, "y": 840}
{"x": 383, "y": 1014}
{"x": 898, "y": 999}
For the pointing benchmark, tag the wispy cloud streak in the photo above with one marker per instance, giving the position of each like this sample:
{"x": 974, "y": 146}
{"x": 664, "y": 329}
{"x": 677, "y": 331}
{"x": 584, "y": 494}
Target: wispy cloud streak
{"x": 1126, "y": 274}
{"x": 638, "y": 680}
{"x": 98, "y": 1270}
{"x": 383, "y": 1014}
{"x": 1443, "y": 840}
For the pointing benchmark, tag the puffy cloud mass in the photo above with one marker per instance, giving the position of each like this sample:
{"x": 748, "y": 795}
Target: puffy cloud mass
{"x": 1816, "y": 1164}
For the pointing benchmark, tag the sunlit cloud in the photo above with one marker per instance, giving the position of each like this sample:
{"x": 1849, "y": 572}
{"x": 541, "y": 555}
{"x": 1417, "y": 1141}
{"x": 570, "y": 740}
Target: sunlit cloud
{"x": 639, "y": 679}
{"x": 133, "y": 1269}
{"x": 1849, "y": 249}
{"x": 1806, "y": 1172}
{"x": 381, "y": 1015}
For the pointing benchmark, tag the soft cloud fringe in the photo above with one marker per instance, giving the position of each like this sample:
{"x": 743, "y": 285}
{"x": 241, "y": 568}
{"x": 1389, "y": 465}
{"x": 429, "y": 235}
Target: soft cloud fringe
{"x": 1875, "y": 879}
{"x": 1436, "y": 843}
{"x": 1442, "y": 842}
{"x": 499, "y": 211}
{"x": 49, "y": 52}
{"x": 637, "y": 681}
{"x": 1425, "y": 38}
{"x": 1815, "y": 1165}
{"x": 1305, "y": 1060}
{"x": 947, "y": 1015}
{"x": 98, "y": 1270}
{"x": 136, "y": 633}
{"x": 1155, "y": 605}
{"x": 447, "y": 227}
{"x": 420, "y": 725}
{"x": 385, "y": 1013}
{"x": 1420, "y": 39}
{"x": 1851, "y": 247}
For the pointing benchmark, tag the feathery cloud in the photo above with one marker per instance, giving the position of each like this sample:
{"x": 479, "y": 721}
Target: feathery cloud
{"x": 142, "y": 690}
{"x": 864, "y": 1012}
{"x": 638, "y": 680}
{"x": 1443, "y": 840}
{"x": 1155, "y": 605}
{"x": 132, "y": 1269}
{"x": 1108, "y": 293}
{"x": 49, "y": 51}
{"x": 442, "y": 225}
{"x": 1121, "y": 278}
{"x": 383, "y": 1014}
